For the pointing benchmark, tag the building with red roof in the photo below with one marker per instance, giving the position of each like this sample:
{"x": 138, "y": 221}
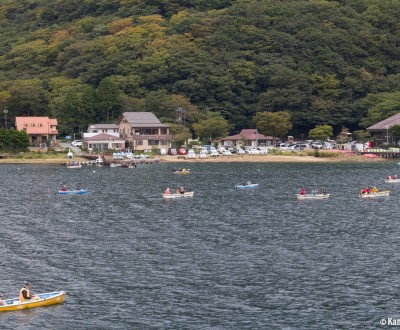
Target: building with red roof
{"x": 41, "y": 130}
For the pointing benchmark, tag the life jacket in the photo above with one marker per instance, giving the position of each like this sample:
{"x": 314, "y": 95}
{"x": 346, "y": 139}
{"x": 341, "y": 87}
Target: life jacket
{"x": 28, "y": 294}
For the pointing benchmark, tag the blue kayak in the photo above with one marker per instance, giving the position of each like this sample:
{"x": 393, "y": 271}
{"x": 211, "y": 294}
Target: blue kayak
{"x": 73, "y": 192}
{"x": 247, "y": 186}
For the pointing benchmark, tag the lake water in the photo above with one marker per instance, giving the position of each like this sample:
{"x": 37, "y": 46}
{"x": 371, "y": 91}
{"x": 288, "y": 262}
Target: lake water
{"x": 225, "y": 259}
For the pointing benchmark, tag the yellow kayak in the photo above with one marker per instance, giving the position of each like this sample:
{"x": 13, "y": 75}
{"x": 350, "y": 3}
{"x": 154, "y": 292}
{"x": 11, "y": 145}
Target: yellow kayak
{"x": 46, "y": 299}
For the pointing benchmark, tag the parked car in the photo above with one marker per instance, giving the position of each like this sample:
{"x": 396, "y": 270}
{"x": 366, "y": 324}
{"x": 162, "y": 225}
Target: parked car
{"x": 203, "y": 154}
{"x": 263, "y": 150}
{"x": 226, "y": 153}
{"x": 287, "y": 146}
{"x": 316, "y": 145}
{"x": 205, "y": 150}
{"x": 254, "y": 151}
{"x": 77, "y": 143}
{"x": 240, "y": 151}
{"x": 182, "y": 151}
{"x": 214, "y": 152}
{"x": 191, "y": 154}
{"x": 172, "y": 151}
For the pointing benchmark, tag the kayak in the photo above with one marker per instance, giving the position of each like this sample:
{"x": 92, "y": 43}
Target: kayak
{"x": 246, "y": 186}
{"x": 186, "y": 194}
{"x": 73, "y": 192}
{"x": 50, "y": 298}
{"x": 313, "y": 196}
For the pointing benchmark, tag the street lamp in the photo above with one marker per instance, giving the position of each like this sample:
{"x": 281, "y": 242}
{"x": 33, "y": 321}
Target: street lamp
{"x": 5, "y": 116}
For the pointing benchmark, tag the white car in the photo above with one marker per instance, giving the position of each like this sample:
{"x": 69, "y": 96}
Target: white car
{"x": 191, "y": 154}
{"x": 77, "y": 143}
{"x": 214, "y": 152}
{"x": 263, "y": 151}
{"x": 254, "y": 152}
{"x": 226, "y": 153}
{"x": 240, "y": 151}
{"x": 203, "y": 154}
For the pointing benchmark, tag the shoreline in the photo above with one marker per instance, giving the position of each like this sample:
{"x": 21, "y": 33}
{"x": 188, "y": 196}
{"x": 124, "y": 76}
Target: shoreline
{"x": 222, "y": 159}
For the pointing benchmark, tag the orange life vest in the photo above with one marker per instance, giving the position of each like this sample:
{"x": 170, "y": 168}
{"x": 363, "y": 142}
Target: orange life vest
{"x": 28, "y": 294}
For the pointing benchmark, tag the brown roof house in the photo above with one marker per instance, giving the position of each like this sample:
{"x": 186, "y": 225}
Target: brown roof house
{"x": 41, "y": 130}
{"x": 247, "y": 138}
{"x": 380, "y": 131}
{"x": 103, "y": 137}
{"x": 143, "y": 131}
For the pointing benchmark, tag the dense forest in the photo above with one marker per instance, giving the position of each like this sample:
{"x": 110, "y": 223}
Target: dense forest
{"x": 84, "y": 61}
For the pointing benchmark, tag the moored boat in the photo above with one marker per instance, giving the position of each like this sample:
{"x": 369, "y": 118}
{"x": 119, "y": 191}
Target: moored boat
{"x": 382, "y": 193}
{"x": 74, "y": 165}
{"x": 179, "y": 195}
{"x": 46, "y": 299}
{"x": 312, "y": 196}
{"x": 247, "y": 186}
{"x": 73, "y": 192}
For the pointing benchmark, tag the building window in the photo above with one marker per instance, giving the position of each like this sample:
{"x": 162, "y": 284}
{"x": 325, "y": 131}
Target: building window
{"x": 149, "y": 131}
{"x": 95, "y": 131}
{"x": 164, "y": 131}
{"x": 40, "y": 124}
{"x": 153, "y": 142}
{"x": 163, "y": 142}
{"x": 139, "y": 142}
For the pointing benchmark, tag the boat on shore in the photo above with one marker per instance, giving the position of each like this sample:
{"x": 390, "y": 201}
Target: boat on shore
{"x": 247, "y": 186}
{"x": 312, "y": 196}
{"x": 179, "y": 195}
{"x": 382, "y": 193}
{"x": 46, "y": 299}
{"x": 73, "y": 192}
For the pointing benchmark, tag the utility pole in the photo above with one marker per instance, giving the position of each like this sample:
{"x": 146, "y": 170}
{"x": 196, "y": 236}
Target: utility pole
{"x": 5, "y": 116}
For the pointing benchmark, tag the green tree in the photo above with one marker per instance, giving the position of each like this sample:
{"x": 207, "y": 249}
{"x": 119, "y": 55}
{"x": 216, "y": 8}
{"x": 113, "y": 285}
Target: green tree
{"x": 13, "y": 139}
{"x": 214, "y": 127}
{"x": 363, "y": 136}
{"x": 109, "y": 100}
{"x": 276, "y": 124}
{"x": 394, "y": 133}
{"x": 321, "y": 132}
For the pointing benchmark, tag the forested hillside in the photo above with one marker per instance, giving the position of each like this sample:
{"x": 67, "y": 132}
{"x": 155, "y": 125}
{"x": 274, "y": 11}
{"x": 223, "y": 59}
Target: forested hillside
{"x": 82, "y": 61}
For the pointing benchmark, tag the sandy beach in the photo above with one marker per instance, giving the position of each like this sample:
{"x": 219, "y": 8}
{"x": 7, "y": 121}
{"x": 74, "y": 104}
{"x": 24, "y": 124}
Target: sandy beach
{"x": 219, "y": 159}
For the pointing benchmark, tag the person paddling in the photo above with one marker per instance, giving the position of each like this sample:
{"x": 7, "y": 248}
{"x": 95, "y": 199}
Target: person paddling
{"x": 25, "y": 293}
